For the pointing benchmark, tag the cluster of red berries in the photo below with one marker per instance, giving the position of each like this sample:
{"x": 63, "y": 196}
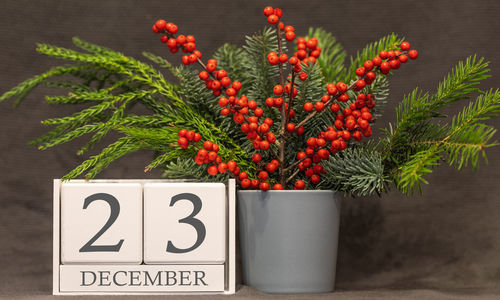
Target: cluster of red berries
{"x": 351, "y": 123}
{"x": 185, "y": 43}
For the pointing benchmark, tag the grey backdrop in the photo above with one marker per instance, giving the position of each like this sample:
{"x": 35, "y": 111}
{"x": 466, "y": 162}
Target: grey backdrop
{"x": 448, "y": 239}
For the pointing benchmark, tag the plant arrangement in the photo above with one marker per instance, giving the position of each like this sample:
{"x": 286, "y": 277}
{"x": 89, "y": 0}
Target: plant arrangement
{"x": 270, "y": 117}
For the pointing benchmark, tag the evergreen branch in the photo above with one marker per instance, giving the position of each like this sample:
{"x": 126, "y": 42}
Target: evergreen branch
{"x": 389, "y": 42}
{"x": 411, "y": 173}
{"x": 80, "y": 116}
{"x": 232, "y": 59}
{"x": 160, "y": 61}
{"x": 22, "y": 89}
{"x": 96, "y": 49}
{"x": 186, "y": 168}
{"x": 356, "y": 171}
{"x": 117, "y": 149}
{"x": 331, "y": 60}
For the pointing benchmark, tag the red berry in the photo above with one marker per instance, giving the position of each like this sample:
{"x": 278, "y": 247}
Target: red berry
{"x": 308, "y": 106}
{"x": 319, "y": 106}
{"x": 273, "y": 59}
{"x": 303, "y": 76}
{"x": 383, "y": 54}
{"x": 404, "y": 46}
{"x": 255, "y": 183}
{"x": 341, "y": 87}
{"x": 182, "y": 133}
{"x": 270, "y": 167}
{"x": 377, "y": 61}
{"x": 245, "y": 183}
{"x": 212, "y": 170}
{"x": 264, "y": 186}
{"x": 203, "y": 75}
{"x": 385, "y": 67}
{"x": 413, "y": 54}
{"x": 160, "y": 24}
{"x": 270, "y": 102}
{"x": 273, "y": 19}
{"x": 155, "y": 29}
{"x": 211, "y": 67}
{"x": 264, "y": 145}
{"x": 172, "y": 29}
{"x": 368, "y": 65}
{"x": 403, "y": 58}
{"x": 222, "y": 167}
{"x": 293, "y": 60}
{"x": 208, "y": 145}
{"x": 290, "y": 36}
{"x": 183, "y": 142}
{"x": 278, "y": 90}
{"x": 331, "y": 89}
{"x": 190, "y": 39}
{"x": 283, "y": 58}
{"x": 395, "y": 64}
{"x": 300, "y": 185}
{"x": 311, "y": 142}
{"x": 312, "y": 43}
{"x": 343, "y": 98}
{"x": 197, "y": 137}
{"x": 370, "y": 76}
{"x": 360, "y": 84}
{"x": 277, "y": 186}
{"x": 300, "y": 130}
{"x": 263, "y": 175}
{"x": 236, "y": 85}
{"x": 290, "y": 127}
{"x": 185, "y": 60}
{"x": 360, "y": 71}
{"x": 315, "y": 179}
{"x": 268, "y": 11}
{"x": 230, "y": 92}
{"x": 181, "y": 39}
{"x": 278, "y": 12}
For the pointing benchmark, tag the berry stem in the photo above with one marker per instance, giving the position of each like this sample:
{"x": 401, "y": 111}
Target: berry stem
{"x": 282, "y": 132}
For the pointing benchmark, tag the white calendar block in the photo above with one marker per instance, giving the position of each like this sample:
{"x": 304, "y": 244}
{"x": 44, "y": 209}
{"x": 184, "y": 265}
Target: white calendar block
{"x": 101, "y": 223}
{"x": 184, "y": 223}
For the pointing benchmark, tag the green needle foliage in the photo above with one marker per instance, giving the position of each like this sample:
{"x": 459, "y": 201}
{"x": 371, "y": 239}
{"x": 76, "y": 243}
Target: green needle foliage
{"x": 106, "y": 85}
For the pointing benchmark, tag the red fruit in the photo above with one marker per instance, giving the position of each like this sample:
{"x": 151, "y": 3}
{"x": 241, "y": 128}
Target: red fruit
{"x": 183, "y": 142}
{"x": 190, "y": 47}
{"x": 263, "y": 128}
{"x": 338, "y": 124}
{"x": 303, "y": 76}
{"x": 258, "y": 112}
{"x": 278, "y": 12}
{"x": 231, "y": 165}
{"x": 277, "y": 186}
{"x": 230, "y": 92}
{"x": 270, "y": 102}
{"x": 245, "y": 183}
{"x": 377, "y": 61}
{"x": 341, "y": 87}
{"x": 211, "y": 67}
{"x": 404, "y": 46}
{"x": 270, "y": 167}
{"x": 268, "y": 10}
{"x": 403, "y": 58}
{"x": 283, "y": 58}
{"x": 222, "y": 168}
{"x": 385, "y": 67}
{"x": 182, "y": 132}
{"x": 264, "y": 186}
{"x": 290, "y": 36}
{"x": 208, "y": 145}
{"x": 363, "y": 124}
{"x": 395, "y": 64}
{"x": 300, "y": 130}
{"x": 185, "y": 60}
{"x": 263, "y": 175}
{"x": 278, "y": 102}
{"x": 243, "y": 175}
{"x": 360, "y": 84}
{"x": 197, "y": 137}
{"x": 311, "y": 142}
{"x": 368, "y": 65}
{"x": 212, "y": 156}
{"x": 370, "y": 76}
{"x": 212, "y": 170}
{"x": 225, "y": 111}
{"x": 181, "y": 39}
{"x": 293, "y": 60}
{"x": 216, "y": 85}
{"x": 203, "y": 75}
{"x": 315, "y": 179}
{"x": 413, "y": 54}
{"x": 278, "y": 90}
{"x": 319, "y": 106}
{"x": 268, "y": 121}
{"x": 273, "y": 19}
{"x": 264, "y": 145}
{"x": 273, "y": 59}
{"x": 300, "y": 185}
{"x": 301, "y": 54}
{"x": 383, "y": 54}
{"x": 391, "y": 54}
{"x": 308, "y": 106}
{"x": 325, "y": 98}
{"x": 290, "y": 127}
{"x": 256, "y": 157}
{"x": 331, "y": 89}
{"x": 236, "y": 85}
{"x": 155, "y": 29}
{"x": 301, "y": 155}
{"x": 335, "y": 107}
{"x": 320, "y": 142}
{"x": 160, "y": 24}
{"x": 312, "y": 43}
{"x": 190, "y": 135}
{"x": 190, "y": 39}
{"x": 197, "y": 53}
{"x": 271, "y": 138}
{"x": 255, "y": 183}
{"x": 360, "y": 71}
{"x": 367, "y": 116}
{"x": 343, "y": 97}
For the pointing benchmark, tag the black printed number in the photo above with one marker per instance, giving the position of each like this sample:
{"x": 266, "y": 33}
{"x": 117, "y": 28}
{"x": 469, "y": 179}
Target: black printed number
{"x": 191, "y": 220}
{"x": 115, "y": 211}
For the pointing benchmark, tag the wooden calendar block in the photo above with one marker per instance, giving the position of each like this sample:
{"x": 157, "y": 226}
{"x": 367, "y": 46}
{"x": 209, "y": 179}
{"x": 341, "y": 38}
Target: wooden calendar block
{"x": 184, "y": 223}
{"x": 101, "y": 223}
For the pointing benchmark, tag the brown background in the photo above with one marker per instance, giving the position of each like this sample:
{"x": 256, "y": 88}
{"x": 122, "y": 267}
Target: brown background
{"x": 448, "y": 239}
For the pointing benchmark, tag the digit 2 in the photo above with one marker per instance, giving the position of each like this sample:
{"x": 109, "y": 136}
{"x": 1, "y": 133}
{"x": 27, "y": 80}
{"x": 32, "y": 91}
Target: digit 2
{"x": 115, "y": 211}
{"x": 191, "y": 220}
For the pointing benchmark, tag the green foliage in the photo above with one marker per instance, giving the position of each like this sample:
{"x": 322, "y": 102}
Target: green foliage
{"x": 107, "y": 85}
{"x": 331, "y": 60}
{"x": 356, "y": 171}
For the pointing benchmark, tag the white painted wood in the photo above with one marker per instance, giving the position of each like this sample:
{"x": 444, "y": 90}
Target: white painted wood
{"x": 162, "y": 223}
{"x": 141, "y": 278}
{"x": 55, "y": 237}
{"x": 79, "y": 225}
{"x": 231, "y": 238}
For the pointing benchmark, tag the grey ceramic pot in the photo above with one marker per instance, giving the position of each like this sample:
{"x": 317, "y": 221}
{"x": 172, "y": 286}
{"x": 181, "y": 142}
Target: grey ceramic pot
{"x": 289, "y": 240}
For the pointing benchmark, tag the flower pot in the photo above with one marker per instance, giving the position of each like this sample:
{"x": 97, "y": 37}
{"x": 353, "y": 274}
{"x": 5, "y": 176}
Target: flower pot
{"x": 289, "y": 240}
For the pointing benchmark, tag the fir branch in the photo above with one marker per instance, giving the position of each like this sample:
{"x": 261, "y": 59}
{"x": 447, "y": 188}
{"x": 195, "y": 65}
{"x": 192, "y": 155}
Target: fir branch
{"x": 232, "y": 59}
{"x": 389, "y": 42}
{"x": 186, "y": 168}
{"x": 356, "y": 171}
{"x": 71, "y": 135}
{"x": 160, "y": 61}
{"x": 331, "y": 60}
{"x": 109, "y": 154}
